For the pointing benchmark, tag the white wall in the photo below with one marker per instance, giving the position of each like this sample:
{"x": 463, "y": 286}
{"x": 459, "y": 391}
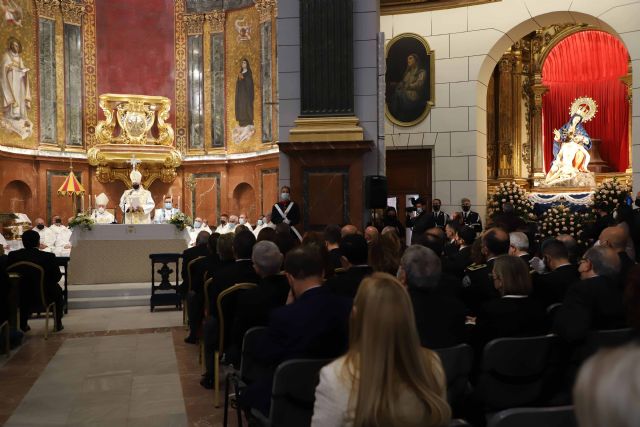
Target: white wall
{"x": 468, "y": 42}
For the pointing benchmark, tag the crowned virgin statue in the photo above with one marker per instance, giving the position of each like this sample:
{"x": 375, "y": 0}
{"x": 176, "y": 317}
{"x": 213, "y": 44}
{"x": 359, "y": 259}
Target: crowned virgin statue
{"x": 571, "y": 145}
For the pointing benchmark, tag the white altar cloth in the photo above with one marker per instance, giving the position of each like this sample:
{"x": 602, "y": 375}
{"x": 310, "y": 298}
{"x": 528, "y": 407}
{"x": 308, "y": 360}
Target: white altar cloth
{"x": 119, "y": 253}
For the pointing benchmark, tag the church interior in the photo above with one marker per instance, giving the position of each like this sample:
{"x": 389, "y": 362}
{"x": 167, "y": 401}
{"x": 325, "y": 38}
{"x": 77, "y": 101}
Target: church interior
{"x": 175, "y": 174}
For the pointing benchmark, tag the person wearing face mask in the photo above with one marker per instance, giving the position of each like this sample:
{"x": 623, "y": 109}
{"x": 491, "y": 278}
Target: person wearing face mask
{"x": 469, "y": 217}
{"x": 100, "y": 215}
{"x": 286, "y": 211}
{"x": 391, "y": 220}
{"x": 260, "y": 224}
{"x": 197, "y": 227}
{"x": 137, "y": 203}
{"x": 164, "y": 214}
{"x": 223, "y": 228}
{"x": 438, "y": 218}
{"x": 233, "y": 223}
{"x": 421, "y": 222}
{"x": 62, "y": 245}
{"x": 47, "y": 236}
{"x": 554, "y": 274}
{"x": 244, "y": 220}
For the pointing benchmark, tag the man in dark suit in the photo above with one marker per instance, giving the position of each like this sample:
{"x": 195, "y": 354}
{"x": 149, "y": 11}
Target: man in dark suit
{"x": 519, "y": 245}
{"x": 255, "y": 305}
{"x": 437, "y": 217}
{"x": 52, "y": 275}
{"x": 313, "y": 325}
{"x": 332, "y": 238}
{"x": 508, "y": 220}
{"x": 478, "y": 285}
{"x": 550, "y": 287}
{"x": 440, "y": 317}
{"x": 616, "y": 239}
{"x": 421, "y": 222}
{"x": 594, "y": 302}
{"x": 189, "y": 254}
{"x": 457, "y": 263}
{"x": 469, "y": 217}
{"x": 355, "y": 253}
{"x": 451, "y": 245}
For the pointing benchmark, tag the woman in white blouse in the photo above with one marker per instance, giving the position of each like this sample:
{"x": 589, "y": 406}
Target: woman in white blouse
{"x": 386, "y": 379}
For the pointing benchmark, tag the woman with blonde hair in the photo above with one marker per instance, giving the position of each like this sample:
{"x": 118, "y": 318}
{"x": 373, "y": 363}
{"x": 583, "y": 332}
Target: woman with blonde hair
{"x": 386, "y": 379}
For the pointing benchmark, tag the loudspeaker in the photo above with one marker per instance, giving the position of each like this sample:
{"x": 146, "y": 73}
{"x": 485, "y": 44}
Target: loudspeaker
{"x": 375, "y": 190}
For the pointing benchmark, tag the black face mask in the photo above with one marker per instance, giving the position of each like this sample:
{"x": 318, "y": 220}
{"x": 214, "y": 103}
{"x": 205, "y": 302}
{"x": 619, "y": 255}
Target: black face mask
{"x": 40, "y": 226}
{"x": 58, "y": 221}
{"x": 466, "y": 208}
{"x": 136, "y": 186}
{"x": 436, "y": 208}
{"x": 638, "y": 202}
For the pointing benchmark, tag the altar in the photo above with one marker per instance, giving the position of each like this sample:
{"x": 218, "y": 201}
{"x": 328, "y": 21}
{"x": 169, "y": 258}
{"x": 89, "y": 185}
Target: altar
{"x": 119, "y": 253}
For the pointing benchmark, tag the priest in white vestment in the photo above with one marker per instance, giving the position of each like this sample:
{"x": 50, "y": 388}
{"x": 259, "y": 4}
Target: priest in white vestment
{"x": 243, "y": 220}
{"x": 100, "y": 215}
{"x": 164, "y": 214}
{"x": 62, "y": 245}
{"x": 137, "y": 203}
{"x": 223, "y": 228}
{"x": 47, "y": 236}
{"x": 198, "y": 226}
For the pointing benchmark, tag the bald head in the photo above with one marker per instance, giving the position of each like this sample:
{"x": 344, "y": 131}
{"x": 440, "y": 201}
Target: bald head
{"x": 348, "y": 230}
{"x": 495, "y": 242}
{"x": 614, "y": 237}
{"x": 371, "y": 234}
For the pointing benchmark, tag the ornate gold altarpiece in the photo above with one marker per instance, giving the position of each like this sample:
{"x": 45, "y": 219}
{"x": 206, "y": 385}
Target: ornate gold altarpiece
{"x": 135, "y": 125}
{"x": 514, "y": 96}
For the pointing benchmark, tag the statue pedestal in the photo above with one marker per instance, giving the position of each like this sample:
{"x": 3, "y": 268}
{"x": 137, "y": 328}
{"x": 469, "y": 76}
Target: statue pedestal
{"x": 596, "y": 164}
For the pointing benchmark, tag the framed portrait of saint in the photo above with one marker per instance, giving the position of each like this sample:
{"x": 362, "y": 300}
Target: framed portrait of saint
{"x": 409, "y": 79}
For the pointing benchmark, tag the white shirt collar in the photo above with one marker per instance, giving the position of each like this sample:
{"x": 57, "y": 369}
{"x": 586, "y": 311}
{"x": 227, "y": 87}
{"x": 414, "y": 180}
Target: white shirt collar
{"x": 515, "y": 296}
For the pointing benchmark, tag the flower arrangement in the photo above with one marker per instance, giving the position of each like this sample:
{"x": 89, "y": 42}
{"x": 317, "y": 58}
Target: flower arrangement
{"x": 609, "y": 194}
{"x": 511, "y": 192}
{"x": 181, "y": 221}
{"x": 82, "y": 220}
{"x": 560, "y": 220}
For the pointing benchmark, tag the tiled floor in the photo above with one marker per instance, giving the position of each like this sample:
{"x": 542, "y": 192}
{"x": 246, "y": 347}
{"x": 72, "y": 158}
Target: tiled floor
{"x": 115, "y": 367}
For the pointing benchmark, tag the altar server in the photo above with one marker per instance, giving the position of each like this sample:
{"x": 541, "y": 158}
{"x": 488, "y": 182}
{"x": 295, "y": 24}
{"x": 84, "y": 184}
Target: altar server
{"x": 47, "y": 236}
{"x": 56, "y": 225}
{"x": 137, "y": 203}
{"x": 164, "y": 214}
{"x": 100, "y": 214}
{"x": 62, "y": 245}
{"x": 198, "y": 226}
{"x": 223, "y": 228}
{"x": 243, "y": 220}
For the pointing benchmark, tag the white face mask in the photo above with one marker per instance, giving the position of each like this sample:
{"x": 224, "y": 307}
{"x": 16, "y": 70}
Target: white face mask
{"x": 242, "y": 220}
{"x": 101, "y": 209}
{"x": 260, "y": 222}
{"x": 197, "y": 224}
{"x": 284, "y": 196}
{"x": 418, "y": 211}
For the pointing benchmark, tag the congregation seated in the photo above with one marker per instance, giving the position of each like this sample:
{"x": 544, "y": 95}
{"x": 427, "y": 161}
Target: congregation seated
{"x": 255, "y": 305}
{"x": 594, "y": 302}
{"x": 624, "y": 219}
{"x": 347, "y": 230}
{"x": 451, "y": 230}
{"x": 52, "y": 275}
{"x": 515, "y": 313}
{"x": 478, "y": 286}
{"x": 371, "y": 234}
{"x": 519, "y": 245}
{"x": 189, "y": 254}
{"x": 440, "y": 317}
{"x": 284, "y": 238}
{"x": 384, "y": 254}
{"x": 385, "y": 378}
{"x": 571, "y": 244}
{"x": 606, "y": 392}
{"x": 551, "y": 281}
{"x": 457, "y": 262}
{"x": 355, "y": 253}
{"x": 313, "y": 324}
{"x": 332, "y": 241}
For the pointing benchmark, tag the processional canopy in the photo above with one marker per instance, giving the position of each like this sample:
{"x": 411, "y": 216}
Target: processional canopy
{"x": 134, "y": 125}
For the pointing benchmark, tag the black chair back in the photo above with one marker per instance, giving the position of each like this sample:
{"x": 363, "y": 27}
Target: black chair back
{"x": 226, "y": 307}
{"x": 561, "y": 416}
{"x": 250, "y": 370}
{"x": 293, "y": 393}
{"x": 518, "y": 371}
{"x": 457, "y": 362}
{"x": 31, "y": 291}
{"x": 458, "y": 422}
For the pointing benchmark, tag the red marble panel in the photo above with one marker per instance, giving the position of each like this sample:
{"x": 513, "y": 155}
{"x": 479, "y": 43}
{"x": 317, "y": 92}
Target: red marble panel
{"x": 135, "y": 48}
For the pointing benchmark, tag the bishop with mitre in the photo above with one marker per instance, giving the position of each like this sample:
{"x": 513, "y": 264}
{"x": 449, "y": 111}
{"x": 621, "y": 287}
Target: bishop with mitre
{"x": 100, "y": 214}
{"x": 137, "y": 203}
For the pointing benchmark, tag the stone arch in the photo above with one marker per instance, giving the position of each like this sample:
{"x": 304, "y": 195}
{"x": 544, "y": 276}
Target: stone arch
{"x": 245, "y": 201}
{"x": 612, "y": 19}
{"x": 16, "y": 197}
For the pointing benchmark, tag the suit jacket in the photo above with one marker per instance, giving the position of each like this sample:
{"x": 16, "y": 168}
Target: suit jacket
{"x": 477, "y": 286}
{"x": 510, "y": 316}
{"x": 551, "y": 288}
{"x": 189, "y": 255}
{"x": 458, "y": 262}
{"x": 315, "y": 326}
{"x": 625, "y": 264}
{"x": 526, "y": 258}
{"x": 472, "y": 219}
{"x": 590, "y": 304}
{"x": 238, "y": 272}
{"x": 48, "y": 262}
{"x": 420, "y": 224}
{"x": 440, "y": 318}
{"x": 293, "y": 215}
{"x": 346, "y": 284}
{"x": 333, "y": 261}
{"x": 438, "y": 219}
{"x": 255, "y": 305}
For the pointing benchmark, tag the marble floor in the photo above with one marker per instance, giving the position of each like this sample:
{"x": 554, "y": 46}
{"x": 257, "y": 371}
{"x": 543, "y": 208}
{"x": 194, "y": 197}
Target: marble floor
{"x": 112, "y": 367}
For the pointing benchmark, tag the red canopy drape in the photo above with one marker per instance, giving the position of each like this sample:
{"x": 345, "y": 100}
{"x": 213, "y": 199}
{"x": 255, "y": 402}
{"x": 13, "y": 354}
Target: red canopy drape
{"x": 588, "y": 63}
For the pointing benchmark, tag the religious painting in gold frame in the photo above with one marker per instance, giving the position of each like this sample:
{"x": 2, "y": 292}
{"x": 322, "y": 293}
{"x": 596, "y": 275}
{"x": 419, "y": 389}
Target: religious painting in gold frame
{"x": 409, "y": 79}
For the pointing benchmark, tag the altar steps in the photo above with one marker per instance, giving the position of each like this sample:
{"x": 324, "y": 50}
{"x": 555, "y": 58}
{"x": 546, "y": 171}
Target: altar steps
{"x": 109, "y": 295}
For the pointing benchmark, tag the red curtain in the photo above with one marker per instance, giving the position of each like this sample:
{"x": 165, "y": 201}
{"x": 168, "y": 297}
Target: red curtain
{"x": 589, "y": 63}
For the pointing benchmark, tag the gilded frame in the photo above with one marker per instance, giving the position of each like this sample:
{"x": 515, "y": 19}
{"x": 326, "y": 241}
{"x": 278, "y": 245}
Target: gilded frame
{"x": 396, "y": 55}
